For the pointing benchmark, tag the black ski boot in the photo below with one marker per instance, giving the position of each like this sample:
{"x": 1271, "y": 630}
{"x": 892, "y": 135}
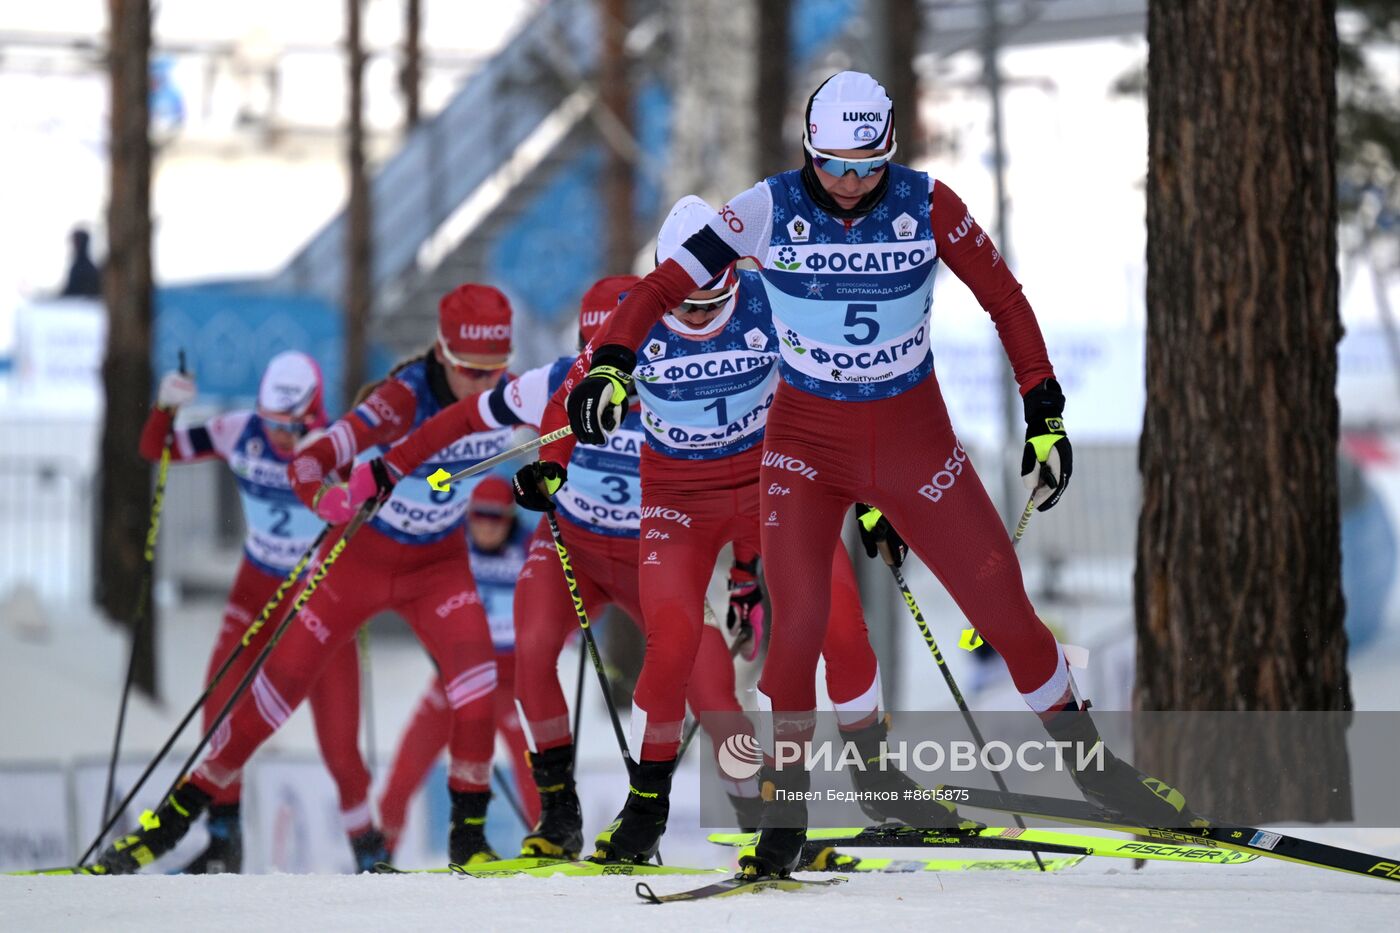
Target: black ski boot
{"x": 369, "y": 849}
{"x": 636, "y": 833}
{"x": 782, "y": 828}
{"x": 224, "y": 855}
{"x": 1116, "y": 785}
{"x": 900, "y": 798}
{"x": 466, "y": 844}
{"x": 159, "y": 833}
{"x": 747, "y": 812}
{"x": 559, "y": 832}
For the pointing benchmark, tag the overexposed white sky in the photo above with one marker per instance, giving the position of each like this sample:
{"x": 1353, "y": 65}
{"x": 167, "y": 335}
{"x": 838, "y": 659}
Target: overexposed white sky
{"x": 224, "y": 206}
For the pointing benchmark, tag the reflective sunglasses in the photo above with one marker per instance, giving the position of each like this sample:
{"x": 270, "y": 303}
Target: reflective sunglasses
{"x": 839, "y": 167}
{"x": 707, "y": 304}
{"x": 294, "y": 426}
{"x": 727, "y": 280}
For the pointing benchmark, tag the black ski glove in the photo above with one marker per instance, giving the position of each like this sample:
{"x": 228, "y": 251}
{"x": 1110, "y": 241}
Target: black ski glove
{"x": 879, "y": 537}
{"x": 1047, "y": 459}
{"x": 534, "y": 484}
{"x": 598, "y": 403}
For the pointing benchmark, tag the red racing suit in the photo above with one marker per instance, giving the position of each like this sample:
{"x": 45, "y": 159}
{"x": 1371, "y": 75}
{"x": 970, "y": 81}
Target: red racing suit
{"x": 412, "y": 559}
{"x": 278, "y": 528}
{"x": 859, "y": 416}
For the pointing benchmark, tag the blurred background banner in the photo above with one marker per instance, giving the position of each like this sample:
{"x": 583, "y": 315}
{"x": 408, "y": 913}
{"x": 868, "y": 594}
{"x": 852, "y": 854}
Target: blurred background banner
{"x": 228, "y": 332}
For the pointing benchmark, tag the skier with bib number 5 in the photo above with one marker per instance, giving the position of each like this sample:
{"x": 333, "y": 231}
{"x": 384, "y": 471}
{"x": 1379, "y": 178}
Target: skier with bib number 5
{"x": 707, "y": 379}
{"x": 848, "y": 246}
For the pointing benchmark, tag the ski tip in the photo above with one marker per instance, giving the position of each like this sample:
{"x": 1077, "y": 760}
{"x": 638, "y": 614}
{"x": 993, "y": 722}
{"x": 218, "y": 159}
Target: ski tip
{"x": 645, "y": 892}
{"x": 384, "y": 868}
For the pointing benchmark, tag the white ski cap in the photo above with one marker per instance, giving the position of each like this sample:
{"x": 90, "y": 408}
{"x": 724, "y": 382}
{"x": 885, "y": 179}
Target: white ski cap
{"x": 686, "y": 218}
{"x": 291, "y": 387}
{"x": 850, "y": 111}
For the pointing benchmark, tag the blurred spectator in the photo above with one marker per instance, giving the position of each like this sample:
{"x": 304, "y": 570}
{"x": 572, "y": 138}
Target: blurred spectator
{"x": 84, "y": 278}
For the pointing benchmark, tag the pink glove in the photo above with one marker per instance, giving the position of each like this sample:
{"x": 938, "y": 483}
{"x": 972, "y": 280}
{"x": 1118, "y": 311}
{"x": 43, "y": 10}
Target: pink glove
{"x": 334, "y": 505}
{"x": 746, "y": 616}
{"x": 340, "y": 502}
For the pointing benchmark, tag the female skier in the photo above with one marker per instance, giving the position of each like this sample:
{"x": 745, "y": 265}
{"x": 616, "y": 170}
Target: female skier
{"x": 257, "y": 445}
{"x": 411, "y": 558}
{"x": 849, "y": 245}
{"x": 707, "y": 377}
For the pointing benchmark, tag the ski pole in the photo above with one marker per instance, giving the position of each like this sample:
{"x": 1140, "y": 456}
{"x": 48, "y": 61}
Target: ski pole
{"x": 248, "y": 635}
{"x": 578, "y": 693}
{"x": 367, "y": 691}
{"x": 141, "y": 620}
{"x": 508, "y": 792}
{"x": 969, "y": 640}
{"x": 366, "y": 511}
{"x": 588, "y": 638}
{"x": 442, "y": 480}
{"x": 925, "y": 631}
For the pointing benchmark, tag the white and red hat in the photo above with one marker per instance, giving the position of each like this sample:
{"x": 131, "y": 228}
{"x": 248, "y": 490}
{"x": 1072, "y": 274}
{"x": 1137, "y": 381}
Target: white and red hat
{"x": 474, "y": 327}
{"x": 850, "y": 111}
{"x": 686, "y": 218}
{"x": 491, "y": 496}
{"x": 599, "y": 301}
{"x": 291, "y": 390}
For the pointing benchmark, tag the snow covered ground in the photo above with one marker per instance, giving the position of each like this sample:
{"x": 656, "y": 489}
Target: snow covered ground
{"x": 56, "y": 690}
{"x": 1095, "y": 895}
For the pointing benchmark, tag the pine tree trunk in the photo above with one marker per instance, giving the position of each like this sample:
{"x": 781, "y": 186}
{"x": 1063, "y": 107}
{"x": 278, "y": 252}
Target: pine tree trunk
{"x": 615, "y": 97}
{"x": 411, "y": 70}
{"x": 903, "y": 25}
{"x": 125, "y": 484}
{"x": 773, "y": 92}
{"x": 1238, "y": 584}
{"x": 358, "y": 286}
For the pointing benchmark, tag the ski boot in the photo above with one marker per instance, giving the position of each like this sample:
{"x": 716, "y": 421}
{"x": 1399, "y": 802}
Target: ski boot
{"x": 782, "y": 828}
{"x": 159, "y": 833}
{"x": 559, "y": 832}
{"x": 636, "y": 833}
{"x": 897, "y": 796}
{"x": 1116, "y": 785}
{"x": 369, "y": 849}
{"x": 224, "y": 855}
{"x": 466, "y": 844}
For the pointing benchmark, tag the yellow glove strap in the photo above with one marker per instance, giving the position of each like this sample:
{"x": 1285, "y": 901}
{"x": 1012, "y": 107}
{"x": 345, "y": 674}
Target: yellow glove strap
{"x": 872, "y": 518}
